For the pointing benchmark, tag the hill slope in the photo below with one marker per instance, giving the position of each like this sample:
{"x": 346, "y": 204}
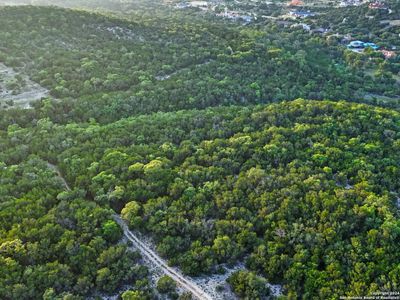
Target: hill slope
{"x": 105, "y": 68}
{"x": 304, "y": 191}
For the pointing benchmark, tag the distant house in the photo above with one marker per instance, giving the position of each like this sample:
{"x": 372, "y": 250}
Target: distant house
{"x": 246, "y": 19}
{"x": 183, "y": 5}
{"x": 302, "y": 25}
{"x": 202, "y": 5}
{"x": 347, "y": 39}
{"x": 233, "y": 15}
{"x": 320, "y": 31}
{"x": 346, "y": 3}
{"x": 359, "y": 46}
{"x": 388, "y": 54}
{"x": 371, "y": 45}
{"x": 296, "y": 3}
{"x": 377, "y": 5}
{"x": 302, "y": 14}
{"x": 196, "y": 4}
{"x": 356, "y": 44}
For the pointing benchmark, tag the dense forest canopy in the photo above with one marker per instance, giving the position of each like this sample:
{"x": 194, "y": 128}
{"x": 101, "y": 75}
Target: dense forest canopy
{"x": 165, "y": 65}
{"x": 210, "y": 136}
{"x": 305, "y": 191}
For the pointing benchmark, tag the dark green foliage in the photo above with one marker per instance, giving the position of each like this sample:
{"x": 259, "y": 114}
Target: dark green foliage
{"x": 111, "y": 231}
{"x": 53, "y": 242}
{"x": 248, "y": 285}
{"x": 104, "y": 68}
{"x": 303, "y": 191}
{"x": 166, "y": 285}
{"x": 185, "y": 296}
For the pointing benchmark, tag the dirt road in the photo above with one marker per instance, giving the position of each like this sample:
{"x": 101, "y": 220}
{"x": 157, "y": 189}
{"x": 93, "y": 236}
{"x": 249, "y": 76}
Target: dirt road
{"x": 180, "y": 279}
{"x": 60, "y": 176}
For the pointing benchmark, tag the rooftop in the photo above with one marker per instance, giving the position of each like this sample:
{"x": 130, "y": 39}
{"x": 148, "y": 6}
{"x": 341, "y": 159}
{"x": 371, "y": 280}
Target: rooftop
{"x": 302, "y": 14}
{"x": 362, "y": 45}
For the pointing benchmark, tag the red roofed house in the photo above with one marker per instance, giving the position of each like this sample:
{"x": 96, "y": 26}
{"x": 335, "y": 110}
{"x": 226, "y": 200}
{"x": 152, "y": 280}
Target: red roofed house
{"x": 296, "y": 3}
{"x": 377, "y": 5}
{"x": 388, "y": 54}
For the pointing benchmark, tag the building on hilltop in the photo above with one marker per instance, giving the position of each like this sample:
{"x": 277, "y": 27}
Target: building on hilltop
{"x": 320, "y": 30}
{"x": 356, "y": 44}
{"x": 304, "y": 26}
{"x": 346, "y": 3}
{"x": 302, "y": 14}
{"x": 234, "y": 15}
{"x": 360, "y": 46}
{"x": 371, "y": 45}
{"x": 377, "y": 5}
{"x": 296, "y": 3}
{"x": 388, "y": 54}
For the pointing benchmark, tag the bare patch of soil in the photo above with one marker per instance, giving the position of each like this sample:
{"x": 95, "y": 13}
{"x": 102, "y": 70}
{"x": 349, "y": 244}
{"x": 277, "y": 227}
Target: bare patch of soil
{"x": 17, "y": 90}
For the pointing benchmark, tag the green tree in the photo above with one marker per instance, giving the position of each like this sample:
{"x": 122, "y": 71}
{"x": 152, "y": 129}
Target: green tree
{"x": 112, "y": 232}
{"x": 247, "y": 285}
{"x": 131, "y": 213}
{"x": 166, "y": 285}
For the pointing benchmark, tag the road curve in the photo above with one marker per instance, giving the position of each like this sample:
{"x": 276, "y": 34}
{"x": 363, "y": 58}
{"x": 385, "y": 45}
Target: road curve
{"x": 184, "y": 282}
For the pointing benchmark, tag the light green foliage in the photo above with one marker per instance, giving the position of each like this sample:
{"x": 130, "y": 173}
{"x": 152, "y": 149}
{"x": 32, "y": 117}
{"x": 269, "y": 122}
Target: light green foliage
{"x": 248, "y": 285}
{"x": 53, "y": 246}
{"x": 133, "y": 295}
{"x": 303, "y": 191}
{"x": 131, "y": 214}
{"x": 111, "y": 231}
{"x": 300, "y": 188}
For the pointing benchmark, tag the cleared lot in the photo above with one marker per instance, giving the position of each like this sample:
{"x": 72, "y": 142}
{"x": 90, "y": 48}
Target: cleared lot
{"x": 17, "y": 90}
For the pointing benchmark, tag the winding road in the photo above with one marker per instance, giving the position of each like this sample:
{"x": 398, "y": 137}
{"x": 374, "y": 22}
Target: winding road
{"x": 183, "y": 281}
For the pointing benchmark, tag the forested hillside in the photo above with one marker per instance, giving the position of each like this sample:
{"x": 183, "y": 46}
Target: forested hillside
{"x": 211, "y": 137}
{"x": 107, "y": 68}
{"x": 54, "y": 242}
{"x": 304, "y": 191}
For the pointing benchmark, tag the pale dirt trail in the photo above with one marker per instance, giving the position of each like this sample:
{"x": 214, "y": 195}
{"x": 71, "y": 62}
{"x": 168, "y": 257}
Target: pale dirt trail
{"x": 55, "y": 169}
{"x": 183, "y": 281}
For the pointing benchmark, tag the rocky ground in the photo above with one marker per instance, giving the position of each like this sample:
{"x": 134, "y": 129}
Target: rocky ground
{"x": 214, "y": 286}
{"x": 16, "y": 92}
